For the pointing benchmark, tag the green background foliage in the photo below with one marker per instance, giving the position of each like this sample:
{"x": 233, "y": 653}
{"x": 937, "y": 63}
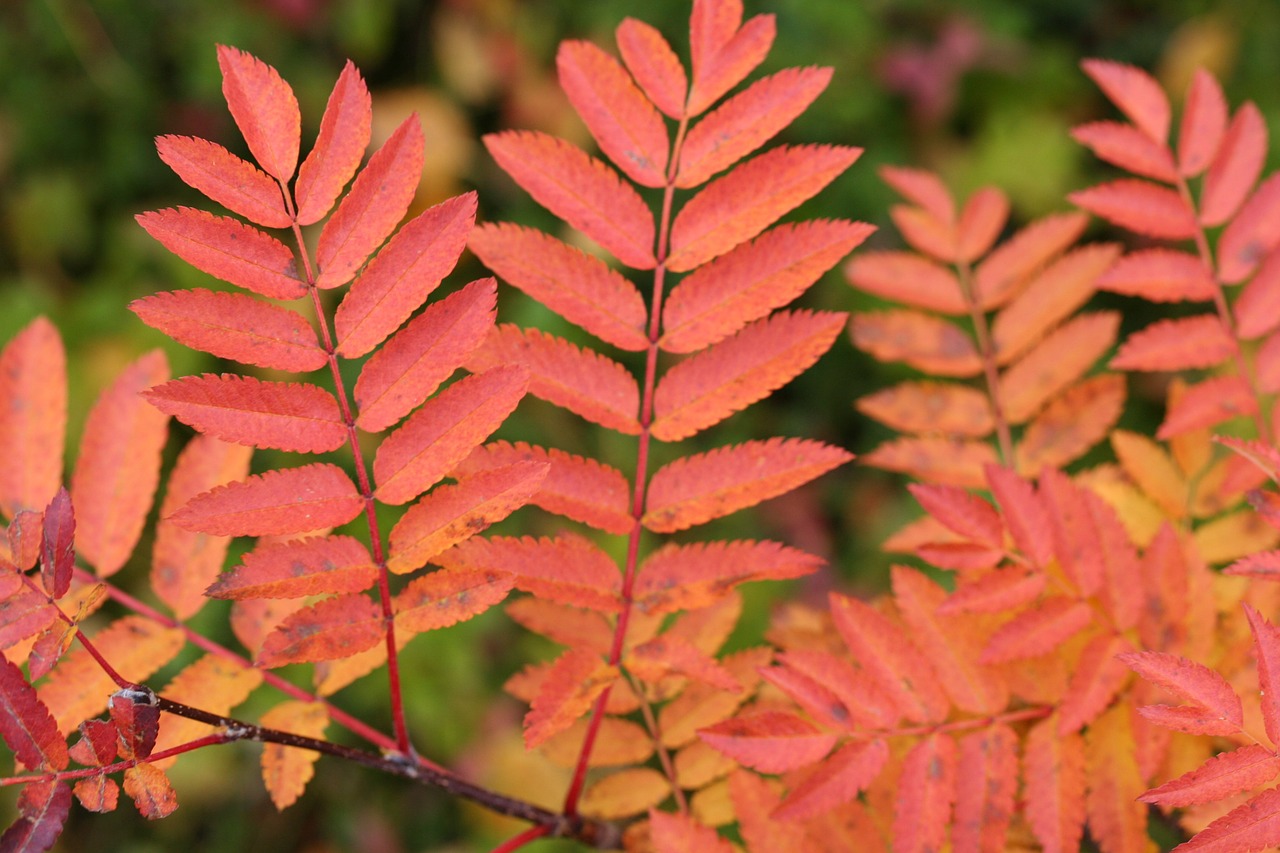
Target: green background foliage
{"x": 983, "y": 92}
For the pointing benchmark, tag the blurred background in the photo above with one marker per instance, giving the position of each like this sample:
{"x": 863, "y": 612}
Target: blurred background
{"x": 982, "y": 91}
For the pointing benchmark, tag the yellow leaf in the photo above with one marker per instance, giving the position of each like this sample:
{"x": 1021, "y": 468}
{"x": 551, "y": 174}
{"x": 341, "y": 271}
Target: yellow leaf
{"x": 286, "y": 770}
{"x": 624, "y": 794}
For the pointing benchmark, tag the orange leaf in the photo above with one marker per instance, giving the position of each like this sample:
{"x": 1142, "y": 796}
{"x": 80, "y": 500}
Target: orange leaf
{"x": 1116, "y": 818}
{"x": 1002, "y": 273}
{"x": 723, "y": 52}
{"x": 923, "y": 407}
{"x": 236, "y": 184}
{"x": 1204, "y": 124}
{"x": 1071, "y": 424}
{"x": 1225, "y": 774}
{"x": 1054, "y": 778}
{"x": 926, "y": 790}
{"x": 119, "y": 466}
{"x": 96, "y": 793}
{"x": 679, "y": 833}
{"x": 1207, "y": 404}
{"x": 836, "y": 780}
{"x": 1160, "y": 275}
{"x": 921, "y": 188}
{"x": 936, "y": 460}
{"x": 184, "y": 563}
{"x": 654, "y": 65}
{"x": 568, "y": 568}
{"x": 769, "y": 741}
{"x": 400, "y": 277}
{"x": 986, "y": 781}
{"x": 698, "y": 488}
{"x": 700, "y": 705}
{"x": 568, "y": 626}
{"x": 150, "y": 791}
{"x": 968, "y": 515}
{"x": 444, "y": 598}
{"x": 575, "y": 487}
{"x": 1125, "y": 146}
{"x": 372, "y": 208}
{"x": 344, "y": 135}
{"x": 452, "y": 514}
{"x": 422, "y": 355}
{"x": 33, "y": 421}
{"x": 625, "y": 793}
{"x": 1255, "y": 825}
{"x": 1135, "y": 92}
{"x": 281, "y": 502}
{"x": 748, "y": 282}
{"x": 212, "y": 683}
{"x": 754, "y": 801}
{"x": 600, "y": 204}
{"x": 833, "y": 690}
{"x": 995, "y": 592}
{"x": 264, "y": 108}
{"x": 671, "y": 654}
{"x": 737, "y": 207}
{"x": 323, "y": 564}
{"x": 625, "y": 125}
{"x": 981, "y": 221}
{"x": 586, "y": 383}
{"x": 1235, "y": 167}
{"x": 908, "y": 278}
{"x": 240, "y": 409}
{"x": 333, "y": 628}
{"x": 926, "y": 233}
{"x": 1037, "y": 630}
{"x": 694, "y": 576}
{"x": 1056, "y": 362}
{"x": 235, "y": 326}
{"x": 618, "y": 742}
{"x": 570, "y": 688}
{"x": 287, "y": 770}
{"x": 1252, "y": 234}
{"x": 1096, "y": 679}
{"x": 746, "y": 121}
{"x": 708, "y": 387}
{"x": 1183, "y": 343}
{"x": 1141, "y": 207}
{"x": 580, "y": 287}
{"x": 443, "y": 431}
{"x": 927, "y": 343}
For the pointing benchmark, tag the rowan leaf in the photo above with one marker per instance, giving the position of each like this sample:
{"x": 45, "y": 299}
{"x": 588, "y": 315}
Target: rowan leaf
{"x": 986, "y": 781}
{"x": 600, "y": 204}
{"x": 1251, "y": 234}
{"x": 344, "y": 136}
{"x": 1235, "y": 168}
{"x": 1057, "y": 361}
{"x": 1266, "y": 638}
{"x": 212, "y": 683}
{"x": 1037, "y": 630}
{"x": 1223, "y": 775}
{"x": 444, "y": 431}
{"x": 926, "y": 407}
{"x": 1206, "y": 404}
{"x": 119, "y": 465}
{"x": 654, "y": 65}
{"x": 1140, "y": 207}
{"x": 24, "y": 614}
{"x": 1070, "y": 425}
{"x": 1129, "y": 148}
{"x": 136, "y": 717}
{"x": 625, "y": 793}
{"x": 1189, "y": 680}
{"x": 701, "y": 705}
{"x": 33, "y": 381}
{"x": 286, "y": 770}
{"x": 1257, "y": 309}
{"x": 57, "y": 552}
{"x": 908, "y": 278}
{"x": 578, "y": 286}
{"x": 235, "y": 326}
{"x": 697, "y": 575}
{"x": 836, "y": 780}
{"x": 1116, "y": 819}
{"x": 949, "y": 461}
{"x": 422, "y": 355}
{"x": 569, "y": 569}
{"x": 769, "y": 741}
{"x": 723, "y": 52}
{"x": 586, "y": 383}
{"x": 751, "y": 280}
{"x": 967, "y": 515}
{"x": 276, "y": 503}
{"x": 926, "y": 790}
{"x": 444, "y": 598}
{"x": 240, "y": 409}
{"x": 314, "y": 566}
{"x": 1001, "y": 274}
{"x": 264, "y": 108}
{"x": 400, "y": 277}
{"x": 26, "y": 724}
{"x": 227, "y": 250}
{"x": 1204, "y": 124}
{"x": 698, "y": 488}
{"x": 333, "y": 628}
{"x": 452, "y": 514}
{"x": 926, "y": 233}
{"x": 98, "y": 793}
{"x": 624, "y": 123}
{"x": 236, "y": 184}
{"x": 925, "y": 342}
{"x": 995, "y": 592}
{"x": 706, "y": 388}
{"x": 672, "y": 654}
{"x": 149, "y": 788}
{"x": 672, "y": 832}
{"x": 981, "y": 220}
{"x": 737, "y": 207}
{"x": 568, "y": 626}
{"x": 1254, "y": 825}
{"x": 575, "y": 487}
{"x": 746, "y": 121}
{"x": 570, "y": 688}
{"x": 1098, "y": 676}
{"x": 1135, "y": 92}
{"x": 754, "y": 801}
{"x": 43, "y": 807}
{"x": 1182, "y": 343}
{"x": 1054, "y": 779}
{"x": 1160, "y": 275}
{"x": 923, "y": 189}
{"x": 372, "y": 208}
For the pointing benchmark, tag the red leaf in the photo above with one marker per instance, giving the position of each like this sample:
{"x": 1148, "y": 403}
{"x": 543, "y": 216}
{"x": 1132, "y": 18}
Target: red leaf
{"x": 1141, "y": 207}
{"x": 1189, "y": 719}
{"x": 698, "y": 575}
{"x": 1254, "y": 825}
{"x": 226, "y": 249}
{"x": 579, "y": 287}
{"x": 264, "y": 109}
{"x": 1252, "y": 234}
{"x": 344, "y": 135}
{"x": 444, "y": 598}
{"x": 315, "y": 566}
{"x": 995, "y": 592}
{"x": 1125, "y": 146}
{"x": 1002, "y": 273}
{"x": 588, "y": 384}
{"x": 240, "y": 409}
{"x": 754, "y": 801}
{"x": 150, "y": 790}
{"x": 337, "y": 627}
{"x": 278, "y": 503}
{"x": 968, "y": 515}
{"x": 25, "y": 540}
{"x": 769, "y": 741}
{"x": 1189, "y": 680}
{"x": 986, "y": 781}
{"x": 569, "y": 689}
{"x": 1223, "y": 775}
{"x": 679, "y": 833}
{"x": 981, "y": 221}
{"x": 1098, "y": 676}
{"x": 444, "y": 431}
{"x": 908, "y": 278}
{"x": 1135, "y": 92}
{"x": 1257, "y": 310}
{"x": 625, "y": 125}
{"x": 57, "y": 551}
{"x": 600, "y": 204}
{"x": 1204, "y": 124}
{"x": 926, "y": 790}
{"x": 136, "y": 717}
{"x": 927, "y": 343}
{"x": 33, "y": 381}
{"x": 24, "y": 614}
{"x": 399, "y": 279}
{"x": 835, "y": 781}
{"x": 698, "y": 488}
{"x": 1266, "y": 638}
{"x": 236, "y": 184}
{"x": 710, "y": 386}
{"x": 422, "y": 355}
{"x": 1206, "y": 404}
{"x": 97, "y": 794}
{"x": 738, "y": 206}
{"x": 746, "y": 121}
{"x": 26, "y": 724}
{"x": 235, "y": 326}
{"x": 654, "y": 65}
{"x": 575, "y": 487}
{"x": 1054, "y": 779}
{"x": 1160, "y": 275}
{"x": 723, "y": 53}
{"x": 568, "y": 568}
{"x": 373, "y": 207}
{"x": 747, "y": 283}
{"x": 119, "y": 465}
{"x": 1235, "y": 168}
{"x": 1184, "y": 343}
{"x": 1037, "y": 630}
{"x": 43, "y": 807}
{"x": 452, "y": 514}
